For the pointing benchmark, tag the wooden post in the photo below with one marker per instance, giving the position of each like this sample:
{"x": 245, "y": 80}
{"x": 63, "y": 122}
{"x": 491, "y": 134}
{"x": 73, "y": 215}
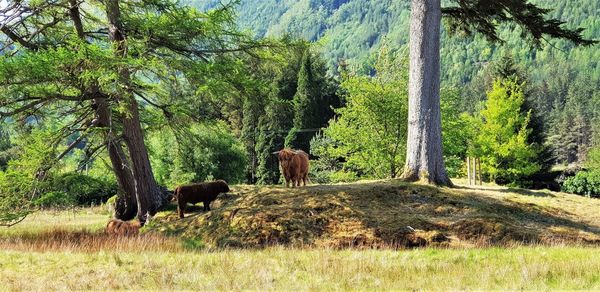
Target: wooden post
{"x": 469, "y": 169}
{"x": 474, "y": 170}
{"x": 479, "y": 166}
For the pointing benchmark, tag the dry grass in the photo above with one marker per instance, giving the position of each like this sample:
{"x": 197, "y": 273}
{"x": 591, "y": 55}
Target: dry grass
{"x": 389, "y": 214}
{"x": 525, "y": 268}
{"x": 69, "y": 251}
{"x": 80, "y": 230}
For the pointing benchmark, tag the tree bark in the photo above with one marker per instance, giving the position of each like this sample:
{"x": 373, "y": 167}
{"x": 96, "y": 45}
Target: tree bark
{"x": 126, "y": 204}
{"x": 424, "y": 159}
{"x": 147, "y": 193}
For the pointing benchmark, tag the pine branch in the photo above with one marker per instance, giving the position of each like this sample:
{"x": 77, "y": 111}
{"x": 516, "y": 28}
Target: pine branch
{"x": 485, "y": 16}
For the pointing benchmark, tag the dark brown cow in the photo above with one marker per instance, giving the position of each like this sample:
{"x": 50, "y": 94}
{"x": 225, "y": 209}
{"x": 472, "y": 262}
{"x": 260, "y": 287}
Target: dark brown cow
{"x": 201, "y": 192}
{"x": 294, "y": 166}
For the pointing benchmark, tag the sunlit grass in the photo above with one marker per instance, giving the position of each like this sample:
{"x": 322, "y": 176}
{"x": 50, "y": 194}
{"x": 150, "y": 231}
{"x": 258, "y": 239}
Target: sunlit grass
{"x": 537, "y": 268}
{"x": 69, "y": 250}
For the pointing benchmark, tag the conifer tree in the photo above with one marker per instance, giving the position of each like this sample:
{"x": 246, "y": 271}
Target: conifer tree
{"x": 502, "y": 139}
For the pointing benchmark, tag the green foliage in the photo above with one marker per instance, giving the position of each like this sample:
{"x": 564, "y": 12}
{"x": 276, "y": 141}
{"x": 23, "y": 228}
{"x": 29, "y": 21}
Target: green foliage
{"x": 593, "y": 159}
{"x": 369, "y": 133}
{"x": 19, "y": 182}
{"x": 456, "y": 132}
{"x": 299, "y": 101}
{"x": 273, "y": 127}
{"x": 486, "y": 16}
{"x": 585, "y": 183}
{"x": 55, "y": 199}
{"x": 81, "y": 189}
{"x": 502, "y": 136}
{"x": 313, "y": 102}
{"x": 6, "y": 149}
{"x": 202, "y": 152}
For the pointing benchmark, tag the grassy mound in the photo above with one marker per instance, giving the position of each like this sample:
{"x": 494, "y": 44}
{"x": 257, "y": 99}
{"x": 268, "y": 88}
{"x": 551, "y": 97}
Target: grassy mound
{"x": 386, "y": 214}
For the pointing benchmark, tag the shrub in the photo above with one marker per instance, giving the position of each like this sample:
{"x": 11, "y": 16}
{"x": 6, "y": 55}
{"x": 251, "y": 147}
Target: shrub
{"x": 82, "y": 189}
{"x": 209, "y": 151}
{"x": 585, "y": 183}
{"x": 55, "y": 199}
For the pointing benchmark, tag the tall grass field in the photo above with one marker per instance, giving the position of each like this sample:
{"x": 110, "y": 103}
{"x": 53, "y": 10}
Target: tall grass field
{"x": 68, "y": 250}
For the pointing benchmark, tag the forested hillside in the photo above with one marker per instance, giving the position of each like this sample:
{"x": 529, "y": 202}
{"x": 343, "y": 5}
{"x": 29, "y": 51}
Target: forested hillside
{"x": 353, "y": 29}
{"x": 562, "y": 79}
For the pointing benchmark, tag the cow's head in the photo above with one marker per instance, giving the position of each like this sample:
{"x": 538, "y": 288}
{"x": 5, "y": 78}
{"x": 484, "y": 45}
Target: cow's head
{"x": 285, "y": 154}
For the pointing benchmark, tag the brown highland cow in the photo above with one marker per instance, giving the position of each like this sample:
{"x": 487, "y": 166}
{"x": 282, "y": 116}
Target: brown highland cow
{"x": 294, "y": 166}
{"x": 195, "y": 193}
{"x": 122, "y": 228}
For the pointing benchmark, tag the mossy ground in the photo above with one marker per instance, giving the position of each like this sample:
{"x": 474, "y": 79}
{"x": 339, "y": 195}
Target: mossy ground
{"x": 387, "y": 214}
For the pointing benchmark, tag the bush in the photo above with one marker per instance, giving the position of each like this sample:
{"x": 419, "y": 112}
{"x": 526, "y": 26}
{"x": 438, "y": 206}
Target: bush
{"x": 55, "y": 199}
{"x": 81, "y": 189}
{"x": 585, "y": 183}
{"x": 208, "y": 152}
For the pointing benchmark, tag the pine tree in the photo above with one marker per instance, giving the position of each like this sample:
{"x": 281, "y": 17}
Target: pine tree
{"x": 313, "y": 102}
{"x": 502, "y": 141}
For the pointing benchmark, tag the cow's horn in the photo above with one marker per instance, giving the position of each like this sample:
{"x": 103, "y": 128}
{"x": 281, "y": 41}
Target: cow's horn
{"x": 276, "y": 152}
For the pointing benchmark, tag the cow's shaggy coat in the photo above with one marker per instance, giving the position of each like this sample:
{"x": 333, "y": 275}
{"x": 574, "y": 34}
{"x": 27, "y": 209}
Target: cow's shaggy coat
{"x": 201, "y": 192}
{"x": 294, "y": 166}
{"x": 122, "y": 228}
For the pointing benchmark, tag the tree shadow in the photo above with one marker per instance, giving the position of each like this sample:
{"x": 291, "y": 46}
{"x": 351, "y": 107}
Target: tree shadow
{"x": 524, "y": 192}
{"x": 470, "y": 216}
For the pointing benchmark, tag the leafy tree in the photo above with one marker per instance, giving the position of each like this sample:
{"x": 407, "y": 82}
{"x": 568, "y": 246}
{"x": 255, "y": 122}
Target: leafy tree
{"x": 505, "y": 68}
{"x": 107, "y": 65}
{"x": 456, "y": 131}
{"x": 18, "y": 180}
{"x": 369, "y": 133}
{"x": 208, "y": 151}
{"x": 502, "y": 138}
{"x": 593, "y": 159}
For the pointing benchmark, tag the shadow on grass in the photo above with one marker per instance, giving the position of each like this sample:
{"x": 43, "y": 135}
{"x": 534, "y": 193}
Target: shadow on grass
{"x": 524, "y": 192}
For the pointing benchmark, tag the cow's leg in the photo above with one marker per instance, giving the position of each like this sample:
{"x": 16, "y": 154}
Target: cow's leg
{"x": 180, "y": 208}
{"x": 206, "y": 206}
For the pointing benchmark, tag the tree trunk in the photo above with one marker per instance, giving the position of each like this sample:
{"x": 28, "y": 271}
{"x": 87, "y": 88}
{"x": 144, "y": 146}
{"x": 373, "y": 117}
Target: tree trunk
{"x": 147, "y": 193}
{"x": 126, "y": 204}
{"x": 424, "y": 159}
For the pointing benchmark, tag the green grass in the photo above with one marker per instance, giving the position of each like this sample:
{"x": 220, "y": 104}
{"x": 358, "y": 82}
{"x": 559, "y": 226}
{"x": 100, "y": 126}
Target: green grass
{"x": 481, "y": 250}
{"x": 537, "y": 268}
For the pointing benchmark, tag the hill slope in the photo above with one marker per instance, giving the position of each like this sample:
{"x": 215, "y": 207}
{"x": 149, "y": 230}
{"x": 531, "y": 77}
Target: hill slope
{"x": 387, "y": 214}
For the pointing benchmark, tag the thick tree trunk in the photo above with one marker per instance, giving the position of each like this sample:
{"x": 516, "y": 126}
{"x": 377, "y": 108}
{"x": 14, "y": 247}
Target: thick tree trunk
{"x": 424, "y": 159}
{"x": 126, "y": 204}
{"x": 148, "y": 196}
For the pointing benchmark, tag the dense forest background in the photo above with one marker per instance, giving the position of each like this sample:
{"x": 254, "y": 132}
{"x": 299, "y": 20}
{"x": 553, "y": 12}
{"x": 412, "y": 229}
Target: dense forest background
{"x": 562, "y": 79}
{"x": 330, "y": 77}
